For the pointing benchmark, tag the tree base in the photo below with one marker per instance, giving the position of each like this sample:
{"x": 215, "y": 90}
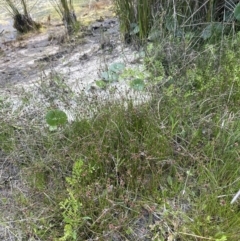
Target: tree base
{"x": 24, "y": 24}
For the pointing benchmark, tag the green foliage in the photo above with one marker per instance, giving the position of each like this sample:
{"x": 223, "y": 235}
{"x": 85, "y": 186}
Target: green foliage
{"x": 154, "y": 62}
{"x": 135, "y": 16}
{"x": 168, "y": 166}
{"x": 212, "y": 30}
{"x": 76, "y": 174}
{"x": 134, "y": 29}
{"x": 137, "y": 84}
{"x": 101, "y": 84}
{"x": 113, "y": 72}
{"x": 133, "y": 73}
{"x": 56, "y": 118}
{"x": 237, "y": 12}
{"x": 153, "y": 19}
{"x": 125, "y": 11}
{"x": 6, "y": 137}
{"x": 37, "y": 176}
{"x": 72, "y": 207}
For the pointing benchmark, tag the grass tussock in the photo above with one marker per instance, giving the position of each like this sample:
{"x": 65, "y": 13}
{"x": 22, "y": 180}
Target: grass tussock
{"x": 165, "y": 168}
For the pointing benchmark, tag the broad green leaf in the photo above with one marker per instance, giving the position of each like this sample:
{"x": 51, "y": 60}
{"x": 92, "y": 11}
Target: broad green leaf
{"x": 218, "y": 27}
{"x": 74, "y": 235}
{"x": 170, "y": 181}
{"x": 171, "y": 24}
{"x": 101, "y": 84}
{"x": 223, "y": 238}
{"x": 137, "y": 84}
{"x": 237, "y": 12}
{"x": 116, "y": 67}
{"x": 114, "y": 77}
{"x": 207, "y": 32}
{"x": 154, "y": 35}
{"x": 105, "y": 76}
{"x": 110, "y": 76}
{"x": 135, "y": 30}
{"x": 133, "y": 25}
{"x": 56, "y": 117}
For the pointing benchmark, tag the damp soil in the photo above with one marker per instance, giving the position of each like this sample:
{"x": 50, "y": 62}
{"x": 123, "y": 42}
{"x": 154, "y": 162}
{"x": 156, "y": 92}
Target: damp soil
{"x": 24, "y": 59}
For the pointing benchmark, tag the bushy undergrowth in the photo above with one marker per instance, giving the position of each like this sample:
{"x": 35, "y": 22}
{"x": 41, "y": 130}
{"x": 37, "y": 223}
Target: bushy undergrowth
{"x": 141, "y": 19}
{"x": 165, "y": 169}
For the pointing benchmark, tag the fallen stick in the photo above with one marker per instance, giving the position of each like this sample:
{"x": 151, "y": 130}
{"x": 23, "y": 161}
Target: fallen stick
{"x": 235, "y": 197}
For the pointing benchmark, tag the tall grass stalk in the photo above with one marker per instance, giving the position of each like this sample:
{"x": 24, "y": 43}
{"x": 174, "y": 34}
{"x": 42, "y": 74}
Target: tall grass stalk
{"x": 176, "y": 16}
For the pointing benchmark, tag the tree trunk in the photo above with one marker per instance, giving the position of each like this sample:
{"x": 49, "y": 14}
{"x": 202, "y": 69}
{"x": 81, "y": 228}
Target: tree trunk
{"x": 24, "y": 23}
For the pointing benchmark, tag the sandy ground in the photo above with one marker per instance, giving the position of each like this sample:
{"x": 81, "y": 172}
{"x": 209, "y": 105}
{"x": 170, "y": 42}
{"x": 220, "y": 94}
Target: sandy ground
{"x": 24, "y": 58}
{"x": 80, "y": 59}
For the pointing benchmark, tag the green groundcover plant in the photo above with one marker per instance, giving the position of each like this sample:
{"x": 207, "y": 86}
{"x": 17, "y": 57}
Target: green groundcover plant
{"x": 168, "y": 166}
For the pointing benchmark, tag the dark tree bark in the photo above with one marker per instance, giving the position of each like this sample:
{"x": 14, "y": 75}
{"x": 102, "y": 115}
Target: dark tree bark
{"x": 69, "y": 17}
{"x": 24, "y": 23}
